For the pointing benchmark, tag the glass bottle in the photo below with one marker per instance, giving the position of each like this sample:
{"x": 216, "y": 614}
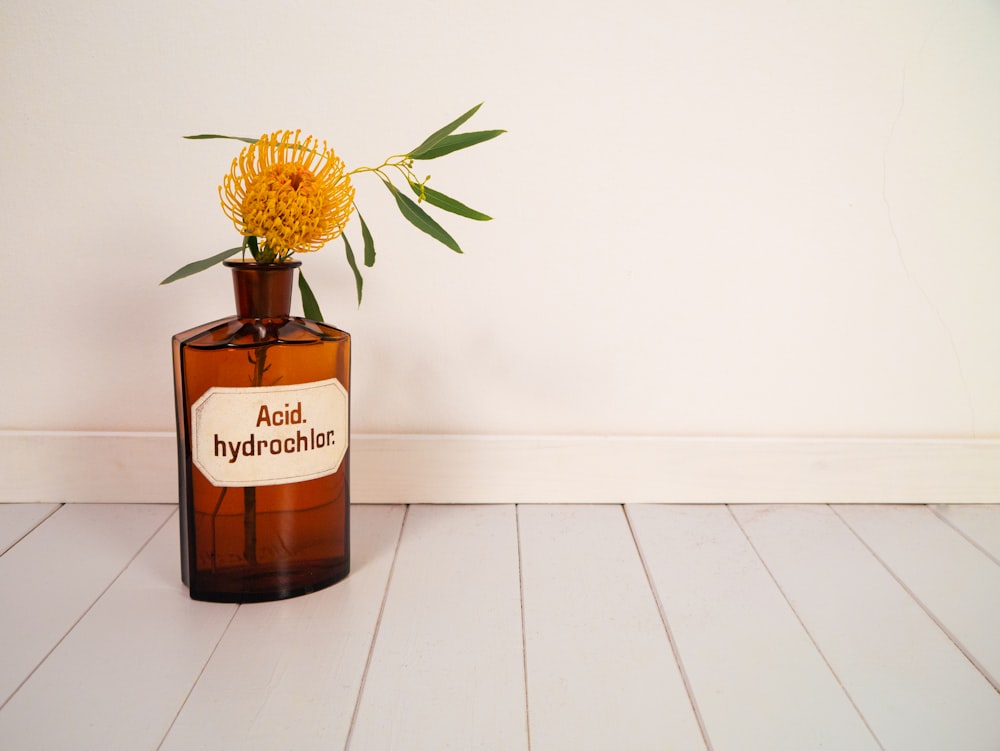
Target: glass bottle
{"x": 263, "y": 425}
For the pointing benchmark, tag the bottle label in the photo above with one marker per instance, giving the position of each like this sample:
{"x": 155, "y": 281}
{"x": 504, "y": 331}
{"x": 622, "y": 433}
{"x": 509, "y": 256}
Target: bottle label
{"x": 270, "y": 435}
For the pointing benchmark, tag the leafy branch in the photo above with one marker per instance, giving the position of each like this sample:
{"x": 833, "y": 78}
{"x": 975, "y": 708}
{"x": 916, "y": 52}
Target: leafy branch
{"x": 439, "y": 143}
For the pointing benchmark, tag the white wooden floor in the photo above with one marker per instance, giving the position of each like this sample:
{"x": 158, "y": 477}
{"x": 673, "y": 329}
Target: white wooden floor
{"x": 532, "y": 627}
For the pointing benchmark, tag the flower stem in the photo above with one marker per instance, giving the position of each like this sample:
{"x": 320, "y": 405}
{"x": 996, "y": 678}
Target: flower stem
{"x": 259, "y": 361}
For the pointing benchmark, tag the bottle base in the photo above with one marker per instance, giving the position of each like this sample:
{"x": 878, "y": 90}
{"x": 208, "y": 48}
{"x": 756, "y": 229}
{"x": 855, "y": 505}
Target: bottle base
{"x": 267, "y": 583}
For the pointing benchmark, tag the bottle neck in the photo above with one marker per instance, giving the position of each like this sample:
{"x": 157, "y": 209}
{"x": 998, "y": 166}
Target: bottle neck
{"x": 263, "y": 290}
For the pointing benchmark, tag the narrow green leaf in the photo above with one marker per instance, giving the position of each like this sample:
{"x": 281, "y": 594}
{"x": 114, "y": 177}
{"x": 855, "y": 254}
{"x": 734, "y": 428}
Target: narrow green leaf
{"x": 310, "y": 307}
{"x": 251, "y": 242}
{"x": 455, "y": 142}
{"x": 369, "y": 243}
{"x": 439, "y": 199}
{"x": 203, "y": 136}
{"x": 196, "y": 266}
{"x": 358, "y": 281}
{"x": 437, "y": 135}
{"x": 420, "y": 219}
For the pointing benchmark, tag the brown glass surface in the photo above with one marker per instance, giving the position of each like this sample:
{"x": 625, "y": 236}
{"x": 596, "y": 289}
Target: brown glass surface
{"x": 270, "y": 542}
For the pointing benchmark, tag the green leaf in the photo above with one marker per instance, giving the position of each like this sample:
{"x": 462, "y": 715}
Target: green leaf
{"x": 310, "y": 307}
{"x": 196, "y": 266}
{"x": 437, "y": 135}
{"x": 358, "y": 281}
{"x": 420, "y": 219}
{"x": 203, "y": 136}
{"x": 436, "y": 198}
{"x": 251, "y": 242}
{"x": 369, "y": 243}
{"x": 454, "y": 142}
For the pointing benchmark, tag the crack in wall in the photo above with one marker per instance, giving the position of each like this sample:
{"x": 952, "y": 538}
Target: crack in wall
{"x": 901, "y": 256}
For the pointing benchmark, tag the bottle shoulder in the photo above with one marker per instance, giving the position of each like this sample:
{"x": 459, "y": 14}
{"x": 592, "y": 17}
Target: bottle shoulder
{"x": 242, "y": 332}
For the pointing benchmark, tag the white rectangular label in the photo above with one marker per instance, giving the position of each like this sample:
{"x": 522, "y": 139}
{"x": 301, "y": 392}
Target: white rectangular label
{"x": 270, "y": 435}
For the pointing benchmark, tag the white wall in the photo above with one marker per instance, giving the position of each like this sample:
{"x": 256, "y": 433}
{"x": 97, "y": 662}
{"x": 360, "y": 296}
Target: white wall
{"x": 712, "y": 218}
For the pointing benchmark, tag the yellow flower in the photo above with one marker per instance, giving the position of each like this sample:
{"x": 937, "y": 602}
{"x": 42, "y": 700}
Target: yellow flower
{"x": 295, "y": 194}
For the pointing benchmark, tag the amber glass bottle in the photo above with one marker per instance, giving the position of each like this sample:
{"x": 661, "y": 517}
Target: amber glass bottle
{"x": 263, "y": 426}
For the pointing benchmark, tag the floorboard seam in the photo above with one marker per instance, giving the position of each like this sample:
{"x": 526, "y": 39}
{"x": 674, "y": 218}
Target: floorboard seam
{"x": 923, "y": 606}
{"x": 375, "y": 632}
{"x": 34, "y": 526}
{"x": 944, "y": 517}
{"x": 669, "y": 633}
{"x": 524, "y": 633}
{"x": 805, "y": 628}
{"x": 197, "y": 678}
{"x": 87, "y": 609}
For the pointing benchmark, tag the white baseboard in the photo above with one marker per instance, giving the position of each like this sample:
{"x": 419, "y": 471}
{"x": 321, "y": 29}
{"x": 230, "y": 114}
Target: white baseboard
{"x": 141, "y": 468}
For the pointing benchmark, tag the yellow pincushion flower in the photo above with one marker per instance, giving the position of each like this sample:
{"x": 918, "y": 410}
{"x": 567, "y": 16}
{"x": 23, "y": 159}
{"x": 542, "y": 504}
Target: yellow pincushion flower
{"x": 294, "y": 194}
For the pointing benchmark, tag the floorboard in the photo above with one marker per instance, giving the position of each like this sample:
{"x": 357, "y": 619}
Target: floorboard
{"x": 18, "y": 519}
{"x": 755, "y": 675}
{"x": 978, "y": 524}
{"x": 957, "y": 583}
{"x": 119, "y": 677}
{"x": 446, "y": 666}
{"x": 601, "y": 671}
{"x": 287, "y": 674}
{"x": 52, "y": 577}
{"x": 516, "y": 628}
{"x": 869, "y": 628}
